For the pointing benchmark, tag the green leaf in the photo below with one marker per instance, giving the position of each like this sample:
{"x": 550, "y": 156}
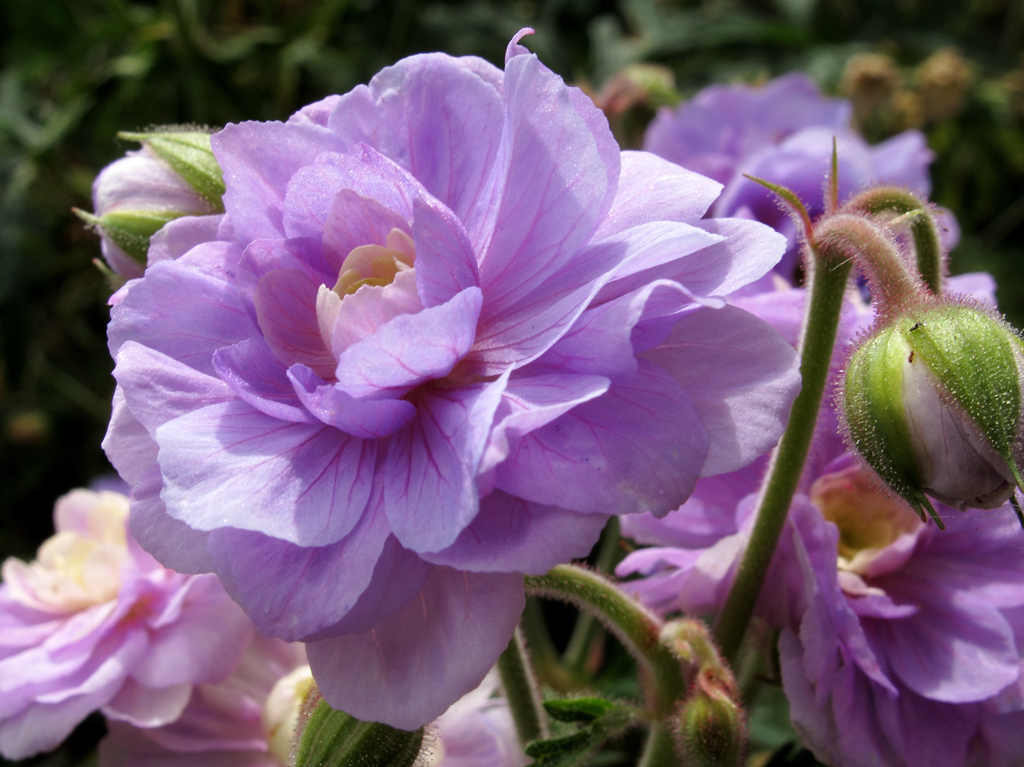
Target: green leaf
{"x": 578, "y": 709}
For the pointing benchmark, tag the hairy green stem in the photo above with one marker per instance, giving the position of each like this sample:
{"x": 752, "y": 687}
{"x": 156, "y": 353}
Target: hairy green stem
{"x": 636, "y": 627}
{"x": 521, "y": 691}
{"x": 659, "y": 750}
{"x": 927, "y": 245}
{"x": 587, "y": 626}
{"x": 546, "y": 661}
{"x": 821, "y": 320}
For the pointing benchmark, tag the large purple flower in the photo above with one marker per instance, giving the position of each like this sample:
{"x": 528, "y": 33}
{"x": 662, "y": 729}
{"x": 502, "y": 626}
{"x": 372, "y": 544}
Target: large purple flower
{"x": 94, "y": 622}
{"x": 901, "y": 643}
{"x": 783, "y": 131}
{"x": 445, "y": 330}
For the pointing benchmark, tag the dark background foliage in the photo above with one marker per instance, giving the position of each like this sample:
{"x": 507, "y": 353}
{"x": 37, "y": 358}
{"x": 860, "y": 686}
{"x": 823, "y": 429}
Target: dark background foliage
{"x": 74, "y": 72}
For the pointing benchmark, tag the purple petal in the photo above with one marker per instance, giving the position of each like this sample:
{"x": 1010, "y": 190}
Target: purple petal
{"x": 956, "y": 649}
{"x": 653, "y": 189}
{"x": 558, "y": 168}
{"x": 532, "y": 402}
{"x": 158, "y": 388}
{"x": 411, "y": 349}
{"x": 368, "y": 173}
{"x": 639, "y": 447}
{"x": 290, "y": 591}
{"x": 257, "y": 376}
{"x": 407, "y": 670}
{"x": 445, "y": 262}
{"x": 178, "y": 237}
{"x": 430, "y": 491}
{"x": 740, "y": 374}
{"x": 440, "y": 118}
{"x": 317, "y": 113}
{"x": 202, "y": 644}
{"x": 354, "y": 221}
{"x": 286, "y": 307}
{"x": 181, "y": 313}
{"x": 258, "y": 160}
{"x": 127, "y": 443}
{"x": 903, "y": 160}
{"x": 230, "y": 465}
{"x": 147, "y": 707}
{"x": 172, "y": 542}
{"x": 513, "y": 535}
{"x": 367, "y": 419}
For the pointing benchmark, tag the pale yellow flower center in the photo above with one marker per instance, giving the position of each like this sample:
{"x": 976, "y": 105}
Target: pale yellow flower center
{"x": 282, "y": 709}
{"x": 77, "y": 568}
{"x": 376, "y": 264}
{"x": 868, "y": 517}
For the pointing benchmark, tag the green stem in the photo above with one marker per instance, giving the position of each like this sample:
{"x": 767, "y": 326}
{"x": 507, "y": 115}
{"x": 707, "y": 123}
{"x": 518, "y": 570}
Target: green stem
{"x": 521, "y": 691}
{"x": 821, "y": 320}
{"x": 659, "y": 750}
{"x": 544, "y": 654}
{"x": 636, "y": 627}
{"x": 587, "y": 626}
{"x": 927, "y": 245}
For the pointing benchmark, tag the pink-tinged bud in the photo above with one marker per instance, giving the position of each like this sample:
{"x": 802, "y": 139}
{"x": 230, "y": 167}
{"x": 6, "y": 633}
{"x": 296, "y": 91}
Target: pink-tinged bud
{"x": 135, "y": 196}
{"x": 933, "y": 404}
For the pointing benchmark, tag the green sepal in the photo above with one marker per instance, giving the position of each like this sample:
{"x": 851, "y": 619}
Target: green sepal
{"x": 971, "y": 354}
{"x": 130, "y": 229}
{"x": 873, "y": 400}
{"x": 578, "y": 709}
{"x": 190, "y": 155}
{"x": 335, "y": 739}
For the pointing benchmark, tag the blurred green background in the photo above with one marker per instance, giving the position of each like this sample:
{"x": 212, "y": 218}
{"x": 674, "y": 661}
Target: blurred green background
{"x": 74, "y": 72}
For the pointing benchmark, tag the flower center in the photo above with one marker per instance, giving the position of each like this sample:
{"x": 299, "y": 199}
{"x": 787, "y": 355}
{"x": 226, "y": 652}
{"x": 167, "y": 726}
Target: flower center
{"x": 281, "y": 711}
{"x": 869, "y": 519}
{"x": 78, "y": 568}
{"x": 376, "y": 264}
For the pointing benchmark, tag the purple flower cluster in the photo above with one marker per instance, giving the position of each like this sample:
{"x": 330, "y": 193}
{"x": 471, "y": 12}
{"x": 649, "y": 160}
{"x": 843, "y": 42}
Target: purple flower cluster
{"x": 900, "y": 644}
{"x": 444, "y": 329}
{"x": 96, "y": 623}
{"x": 783, "y": 132}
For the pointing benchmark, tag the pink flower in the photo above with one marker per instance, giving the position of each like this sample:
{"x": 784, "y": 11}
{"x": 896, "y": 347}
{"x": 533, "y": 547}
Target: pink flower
{"x": 95, "y": 623}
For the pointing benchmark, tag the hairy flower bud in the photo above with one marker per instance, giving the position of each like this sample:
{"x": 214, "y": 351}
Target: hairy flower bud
{"x": 712, "y": 728}
{"x": 932, "y": 400}
{"x": 174, "y": 174}
{"x": 332, "y": 738}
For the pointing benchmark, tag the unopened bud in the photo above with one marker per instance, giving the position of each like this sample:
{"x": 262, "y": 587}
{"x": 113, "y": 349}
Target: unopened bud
{"x": 932, "y": 401}
{"x": 332, "y": 738}
{"x": 943, "y": 80}
{"x": 712, "y": 729}
{"x": 173, "y": 175}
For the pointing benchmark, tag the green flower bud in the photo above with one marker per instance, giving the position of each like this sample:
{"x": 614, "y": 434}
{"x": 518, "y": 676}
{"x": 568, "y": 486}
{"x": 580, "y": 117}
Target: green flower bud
{"x": 713, "y": 730}
{"x": 332, "y": 738}
{"x": 932, "y": 402}
{"x": 174, "y": 174}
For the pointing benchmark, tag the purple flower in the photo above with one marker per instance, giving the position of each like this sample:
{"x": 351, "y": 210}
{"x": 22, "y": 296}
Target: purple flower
{"x": 447, "y": 329}
{"x": 782, "y": 132}
{"x": 95, "y": 623}
{"x": 901, "y": 644}
{"x": 247, "y": 720}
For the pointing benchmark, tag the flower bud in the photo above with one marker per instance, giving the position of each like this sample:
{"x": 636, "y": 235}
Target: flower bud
{"x": 332, "y": 738}
{"x": 174, "y": 174}
{"x": 932, "y": 402}
{"x": 713, "y": 730}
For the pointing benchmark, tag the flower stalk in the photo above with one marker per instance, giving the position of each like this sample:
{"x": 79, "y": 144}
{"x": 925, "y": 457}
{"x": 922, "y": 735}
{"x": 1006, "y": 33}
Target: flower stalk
{"x": 636, "y": 627}
{"x": 521, "y": 691}
{"x": 829, "y": 276}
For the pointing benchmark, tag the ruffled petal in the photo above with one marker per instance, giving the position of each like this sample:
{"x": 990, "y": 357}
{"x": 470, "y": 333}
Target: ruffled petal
{"x": 408, "y": 669}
